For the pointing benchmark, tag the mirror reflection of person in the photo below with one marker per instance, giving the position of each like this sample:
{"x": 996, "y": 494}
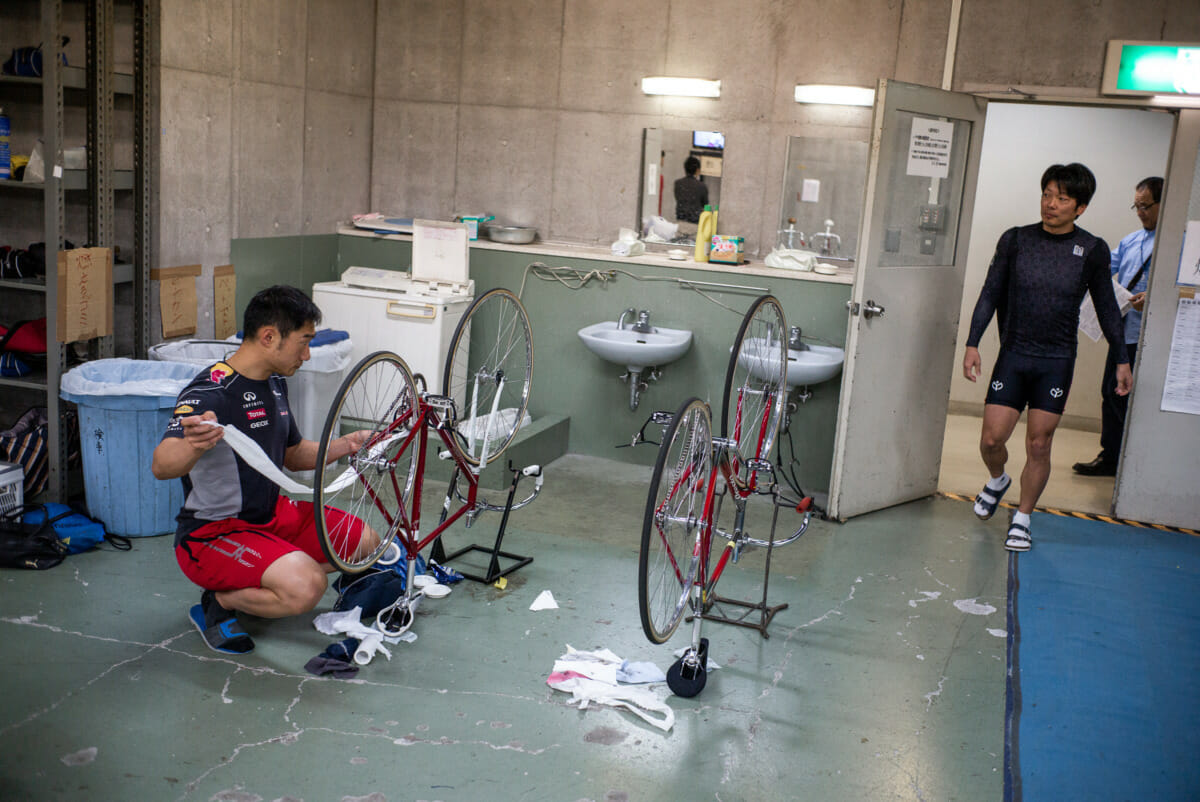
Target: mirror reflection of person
{"x": 1035, "y": 283}
{"x": 1130, "y": 266}
{"x": 691, "y": 194}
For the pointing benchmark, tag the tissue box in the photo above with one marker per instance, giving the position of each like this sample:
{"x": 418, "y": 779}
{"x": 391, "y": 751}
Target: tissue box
{"x": 474, "y": 223}
{"x": 726, "y": 249}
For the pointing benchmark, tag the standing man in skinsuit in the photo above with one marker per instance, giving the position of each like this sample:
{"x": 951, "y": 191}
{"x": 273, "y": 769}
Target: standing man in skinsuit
{"x": 1034, "y": 286}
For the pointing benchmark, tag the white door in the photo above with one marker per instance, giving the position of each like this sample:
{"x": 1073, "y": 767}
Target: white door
{"x": 911, "y": 257}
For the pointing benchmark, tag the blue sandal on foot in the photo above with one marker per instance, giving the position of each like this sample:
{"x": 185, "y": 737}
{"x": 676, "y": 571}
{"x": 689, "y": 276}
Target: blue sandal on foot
{"x": 1019, "y": 538}
{"x": 226, "y": 636}
{"x": 989, "y": 500}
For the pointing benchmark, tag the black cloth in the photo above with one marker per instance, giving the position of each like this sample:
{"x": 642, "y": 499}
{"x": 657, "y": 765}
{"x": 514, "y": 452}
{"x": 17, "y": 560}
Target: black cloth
{"x": 1113, "y": 408}
{"x": 691, "y": 196}
{"x": 221, "y": 485}
{"x": 1034, "y": 286}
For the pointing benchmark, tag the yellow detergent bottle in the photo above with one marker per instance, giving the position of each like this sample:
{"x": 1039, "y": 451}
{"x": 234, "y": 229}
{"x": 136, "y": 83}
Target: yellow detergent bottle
{"x": 704, "y": 232}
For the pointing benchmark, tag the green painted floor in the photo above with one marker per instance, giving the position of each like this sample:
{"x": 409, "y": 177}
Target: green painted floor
{"x": 884, "y": 679}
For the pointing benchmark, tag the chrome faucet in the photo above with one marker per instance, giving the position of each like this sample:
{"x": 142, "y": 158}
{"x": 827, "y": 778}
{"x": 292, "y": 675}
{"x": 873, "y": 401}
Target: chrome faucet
{"x": 794, "y": 341}
{"x": 643, "y": 322}
{"x": 621, "y": 320}
{"x": 830, "y": 243}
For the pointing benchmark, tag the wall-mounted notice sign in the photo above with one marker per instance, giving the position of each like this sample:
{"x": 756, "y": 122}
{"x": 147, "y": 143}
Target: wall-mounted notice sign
{"x": 1152, "y": 68}
{"x": 929, "y": 148}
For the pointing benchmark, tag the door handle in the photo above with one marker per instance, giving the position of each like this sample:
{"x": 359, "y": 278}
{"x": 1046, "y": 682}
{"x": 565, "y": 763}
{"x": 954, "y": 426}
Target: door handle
{"x": 869, "y": 309}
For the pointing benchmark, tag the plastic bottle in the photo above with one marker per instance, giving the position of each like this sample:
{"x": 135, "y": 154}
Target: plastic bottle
{"x": 704, "y": 232}
{"x": 5, "y": 151}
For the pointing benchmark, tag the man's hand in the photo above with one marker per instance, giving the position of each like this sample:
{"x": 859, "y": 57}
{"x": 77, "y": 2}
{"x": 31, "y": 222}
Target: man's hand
{"x": 199, "y": 434}
{"x": 1138, "y": 301}
{"x": 971, "y": 363}
{"x": 1124, "y": 379}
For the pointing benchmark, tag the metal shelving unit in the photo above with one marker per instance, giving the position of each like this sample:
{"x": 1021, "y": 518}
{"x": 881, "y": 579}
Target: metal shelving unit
{"x": 100, "y": 181}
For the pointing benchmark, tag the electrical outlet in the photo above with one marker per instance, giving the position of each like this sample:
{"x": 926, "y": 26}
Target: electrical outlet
{"x": 929, "y": 244}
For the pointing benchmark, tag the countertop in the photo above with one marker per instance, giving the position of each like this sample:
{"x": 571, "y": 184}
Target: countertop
{"x": 570, "y": 250}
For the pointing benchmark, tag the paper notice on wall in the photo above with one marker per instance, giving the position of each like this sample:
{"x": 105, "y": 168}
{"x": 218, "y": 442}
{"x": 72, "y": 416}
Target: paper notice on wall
{"x": 85, "y": 294}
{"x": 1189, "y": 260}
{"x": 1181, "y": 390}
{"x": 177, "y": 299}
{"x": 929, "y": 148}
{"x": 651, "y": 179}
{"x": 810, "y": 191}
{"x": 1089, "y": 323}
{"x": 224, "y": 299}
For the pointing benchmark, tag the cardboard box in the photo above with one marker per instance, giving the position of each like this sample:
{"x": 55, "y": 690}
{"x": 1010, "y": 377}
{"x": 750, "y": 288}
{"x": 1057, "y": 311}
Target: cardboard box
{"x": 85, "y": 294}
{"x": 726, "y": 249}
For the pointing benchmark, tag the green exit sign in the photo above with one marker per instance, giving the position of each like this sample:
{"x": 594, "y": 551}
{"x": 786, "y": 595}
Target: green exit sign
{"x": 1152, "y": 68}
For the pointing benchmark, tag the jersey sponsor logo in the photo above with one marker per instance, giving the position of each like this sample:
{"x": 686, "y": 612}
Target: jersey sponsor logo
{"x": 192, "y": 401}
{"x": 253, "y": 414}
{"x": 183, "y": 409}
{"x": 258, "y": 424}
{"x": 249, "y": 396}
{"x": 1077, "y": 250}
{"x": 218, "y": 372}
{"x": 997, "y": 385}
{"x": 1056, "y": 392}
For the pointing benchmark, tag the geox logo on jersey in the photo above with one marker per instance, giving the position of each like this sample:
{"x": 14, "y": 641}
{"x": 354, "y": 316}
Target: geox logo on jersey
{"x": 256, "y": 413}
{"x": 183, "y": 409}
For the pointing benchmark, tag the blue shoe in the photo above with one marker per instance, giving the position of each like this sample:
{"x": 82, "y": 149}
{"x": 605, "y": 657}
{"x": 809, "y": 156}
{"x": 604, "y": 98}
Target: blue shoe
{"x": 225, "y": 636}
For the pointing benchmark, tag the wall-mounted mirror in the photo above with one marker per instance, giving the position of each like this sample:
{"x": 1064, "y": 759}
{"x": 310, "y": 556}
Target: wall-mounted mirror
{"x": 823, "y": 186}
{"x": 681, "y": 171}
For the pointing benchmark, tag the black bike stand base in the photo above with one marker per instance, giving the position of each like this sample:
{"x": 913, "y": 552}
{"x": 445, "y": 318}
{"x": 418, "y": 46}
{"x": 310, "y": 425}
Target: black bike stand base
{"x": 766, "y": 613}
{"x": 494, "y": 571}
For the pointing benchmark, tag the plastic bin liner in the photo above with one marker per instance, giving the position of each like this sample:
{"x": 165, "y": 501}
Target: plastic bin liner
{"x": 329, "y": 350}
{"x": 124, "y": 407}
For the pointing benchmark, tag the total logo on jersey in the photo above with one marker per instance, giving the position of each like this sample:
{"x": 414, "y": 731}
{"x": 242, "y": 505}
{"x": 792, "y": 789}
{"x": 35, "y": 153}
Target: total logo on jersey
{"x": 254, "y": 414}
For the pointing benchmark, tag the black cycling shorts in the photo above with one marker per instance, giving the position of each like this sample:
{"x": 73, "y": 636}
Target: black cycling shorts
{"x": 1039, "y": 382}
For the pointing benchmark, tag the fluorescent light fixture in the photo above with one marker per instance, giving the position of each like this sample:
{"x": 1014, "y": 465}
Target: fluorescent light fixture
{"x": 835, "y": 95}
{"x": 686, "y": 87}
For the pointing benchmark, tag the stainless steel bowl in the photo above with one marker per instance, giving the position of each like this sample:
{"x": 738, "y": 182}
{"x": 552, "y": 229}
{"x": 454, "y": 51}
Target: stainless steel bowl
{"x": 515, "y": 235}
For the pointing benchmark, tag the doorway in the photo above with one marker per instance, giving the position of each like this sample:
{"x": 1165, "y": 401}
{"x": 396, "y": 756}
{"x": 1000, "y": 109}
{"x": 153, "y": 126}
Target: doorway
{"x": 1122, "y": 146}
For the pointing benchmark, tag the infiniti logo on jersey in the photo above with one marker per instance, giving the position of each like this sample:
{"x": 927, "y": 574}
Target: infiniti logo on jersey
{"x": 249, "y": 396}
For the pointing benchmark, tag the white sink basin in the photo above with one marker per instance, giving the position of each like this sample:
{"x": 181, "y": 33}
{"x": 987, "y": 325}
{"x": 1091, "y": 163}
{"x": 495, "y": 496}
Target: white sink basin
{"x": 634, "y": 349}
{"x": 816, "y": 364}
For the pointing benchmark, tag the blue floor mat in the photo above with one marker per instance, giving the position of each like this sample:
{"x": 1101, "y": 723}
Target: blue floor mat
{"x": 1104, "y": 652}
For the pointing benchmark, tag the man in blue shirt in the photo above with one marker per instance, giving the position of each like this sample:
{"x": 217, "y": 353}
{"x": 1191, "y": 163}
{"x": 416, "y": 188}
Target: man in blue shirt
{"x": 1130, "y": 266}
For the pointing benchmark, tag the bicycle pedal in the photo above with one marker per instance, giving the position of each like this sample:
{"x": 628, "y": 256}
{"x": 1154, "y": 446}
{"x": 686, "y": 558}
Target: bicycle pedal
{"x": 760, "y": 466}
{"x": 442, "y": 402}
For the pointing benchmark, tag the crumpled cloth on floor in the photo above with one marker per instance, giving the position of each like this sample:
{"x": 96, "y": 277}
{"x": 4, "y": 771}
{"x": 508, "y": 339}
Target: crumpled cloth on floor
{"x": 337, "y": 659}
{"x": 592, "y": 676}
{"x": 642, "y": 702}
{"x": 371, "y": 640}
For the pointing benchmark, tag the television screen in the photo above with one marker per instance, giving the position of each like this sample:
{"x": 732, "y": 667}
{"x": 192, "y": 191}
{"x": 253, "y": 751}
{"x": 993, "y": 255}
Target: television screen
{"x": 713, "y": 140}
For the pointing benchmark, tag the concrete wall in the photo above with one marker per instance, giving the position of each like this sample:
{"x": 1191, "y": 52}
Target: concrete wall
{"x": 281, "y": 117}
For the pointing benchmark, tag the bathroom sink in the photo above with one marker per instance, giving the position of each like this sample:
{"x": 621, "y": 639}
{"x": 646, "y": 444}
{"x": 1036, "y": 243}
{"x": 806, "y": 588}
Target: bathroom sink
{"x": 634, "y": 349}
{"x": 814, "y": 365}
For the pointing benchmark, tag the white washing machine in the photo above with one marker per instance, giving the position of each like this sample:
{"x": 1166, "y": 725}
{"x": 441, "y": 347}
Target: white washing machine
{"x": 411, "y": 314}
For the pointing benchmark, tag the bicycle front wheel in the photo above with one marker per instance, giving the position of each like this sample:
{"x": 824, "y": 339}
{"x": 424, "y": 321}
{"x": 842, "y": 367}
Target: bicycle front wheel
{"x": 489, "y": 373}
{"x": 374, "y": 484}
{"x": 755, "y": 387}
{"x": 675, "y": 521}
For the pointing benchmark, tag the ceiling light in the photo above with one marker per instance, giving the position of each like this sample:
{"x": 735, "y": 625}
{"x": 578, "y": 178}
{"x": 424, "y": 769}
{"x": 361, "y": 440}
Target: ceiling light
{"x": 835, "y": 95}
{"x": 686, "y": 87}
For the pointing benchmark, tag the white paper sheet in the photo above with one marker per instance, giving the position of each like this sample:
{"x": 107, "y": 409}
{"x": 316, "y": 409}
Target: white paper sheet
{"x": 1181, "y": 390}
{"x": 1089, "y": 324}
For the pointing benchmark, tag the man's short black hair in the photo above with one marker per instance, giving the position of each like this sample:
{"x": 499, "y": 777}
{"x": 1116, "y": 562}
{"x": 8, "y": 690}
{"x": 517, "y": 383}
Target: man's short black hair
{"x": 1154, "y": 183}
{"x": 285, "y": 308}
{"x": 1074, "y": 180}
{"x": 691, "y": 165}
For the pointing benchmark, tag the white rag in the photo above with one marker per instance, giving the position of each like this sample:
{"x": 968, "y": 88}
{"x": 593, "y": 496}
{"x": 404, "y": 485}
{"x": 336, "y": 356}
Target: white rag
{"x": 642, "y": 702}
{"x": 370, "y": 640}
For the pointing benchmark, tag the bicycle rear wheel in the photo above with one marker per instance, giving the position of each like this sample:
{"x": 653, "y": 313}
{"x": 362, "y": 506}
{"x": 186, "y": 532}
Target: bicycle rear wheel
{"x": 755, "y": 387}
{"x": 674, "y": 522}
{"x": 374, "y": 484}
{"x": 489, "y": 373}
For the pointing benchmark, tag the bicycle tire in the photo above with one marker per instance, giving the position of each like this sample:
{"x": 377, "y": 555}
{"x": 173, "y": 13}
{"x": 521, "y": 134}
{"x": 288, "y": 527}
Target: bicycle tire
{"x": 376, "y": 483}
{"x": 492, "y": 343}
{"x": 673, "y": 524}
{"x": 756, "y": 377}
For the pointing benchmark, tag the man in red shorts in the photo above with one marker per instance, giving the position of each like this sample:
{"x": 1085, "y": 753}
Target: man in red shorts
{"x": 250, "y": 548}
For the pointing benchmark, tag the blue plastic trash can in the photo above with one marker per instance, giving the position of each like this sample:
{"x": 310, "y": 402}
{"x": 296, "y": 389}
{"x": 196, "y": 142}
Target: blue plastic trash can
{"x": 124, "y": 406}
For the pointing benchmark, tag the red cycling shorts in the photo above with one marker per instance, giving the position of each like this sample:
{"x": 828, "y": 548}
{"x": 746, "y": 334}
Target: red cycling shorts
{"x": 233, "y": 554}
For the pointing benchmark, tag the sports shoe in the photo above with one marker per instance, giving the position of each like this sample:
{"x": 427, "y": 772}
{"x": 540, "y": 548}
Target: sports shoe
{"x": 219, "y": 627}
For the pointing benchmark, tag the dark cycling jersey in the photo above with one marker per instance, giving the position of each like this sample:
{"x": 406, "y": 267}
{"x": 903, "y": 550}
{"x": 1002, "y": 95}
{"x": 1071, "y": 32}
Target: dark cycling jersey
{"x": 1035, "y": 284}
{"x": 221, "y": 485}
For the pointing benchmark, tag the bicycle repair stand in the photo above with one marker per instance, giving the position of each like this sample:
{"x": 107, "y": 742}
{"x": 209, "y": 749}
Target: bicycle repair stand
{"x": 766, "y": 612}
{"x": 494, "y": 572}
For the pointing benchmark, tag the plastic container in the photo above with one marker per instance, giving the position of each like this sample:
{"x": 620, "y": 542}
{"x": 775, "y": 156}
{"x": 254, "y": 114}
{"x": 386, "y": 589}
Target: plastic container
{"x": 310, "y": 390}
{"x": 12, "y": 486}
{"x": 704, "y": 232}
{"x": 124, "y": 407}
{"x": 5, "y": 146}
